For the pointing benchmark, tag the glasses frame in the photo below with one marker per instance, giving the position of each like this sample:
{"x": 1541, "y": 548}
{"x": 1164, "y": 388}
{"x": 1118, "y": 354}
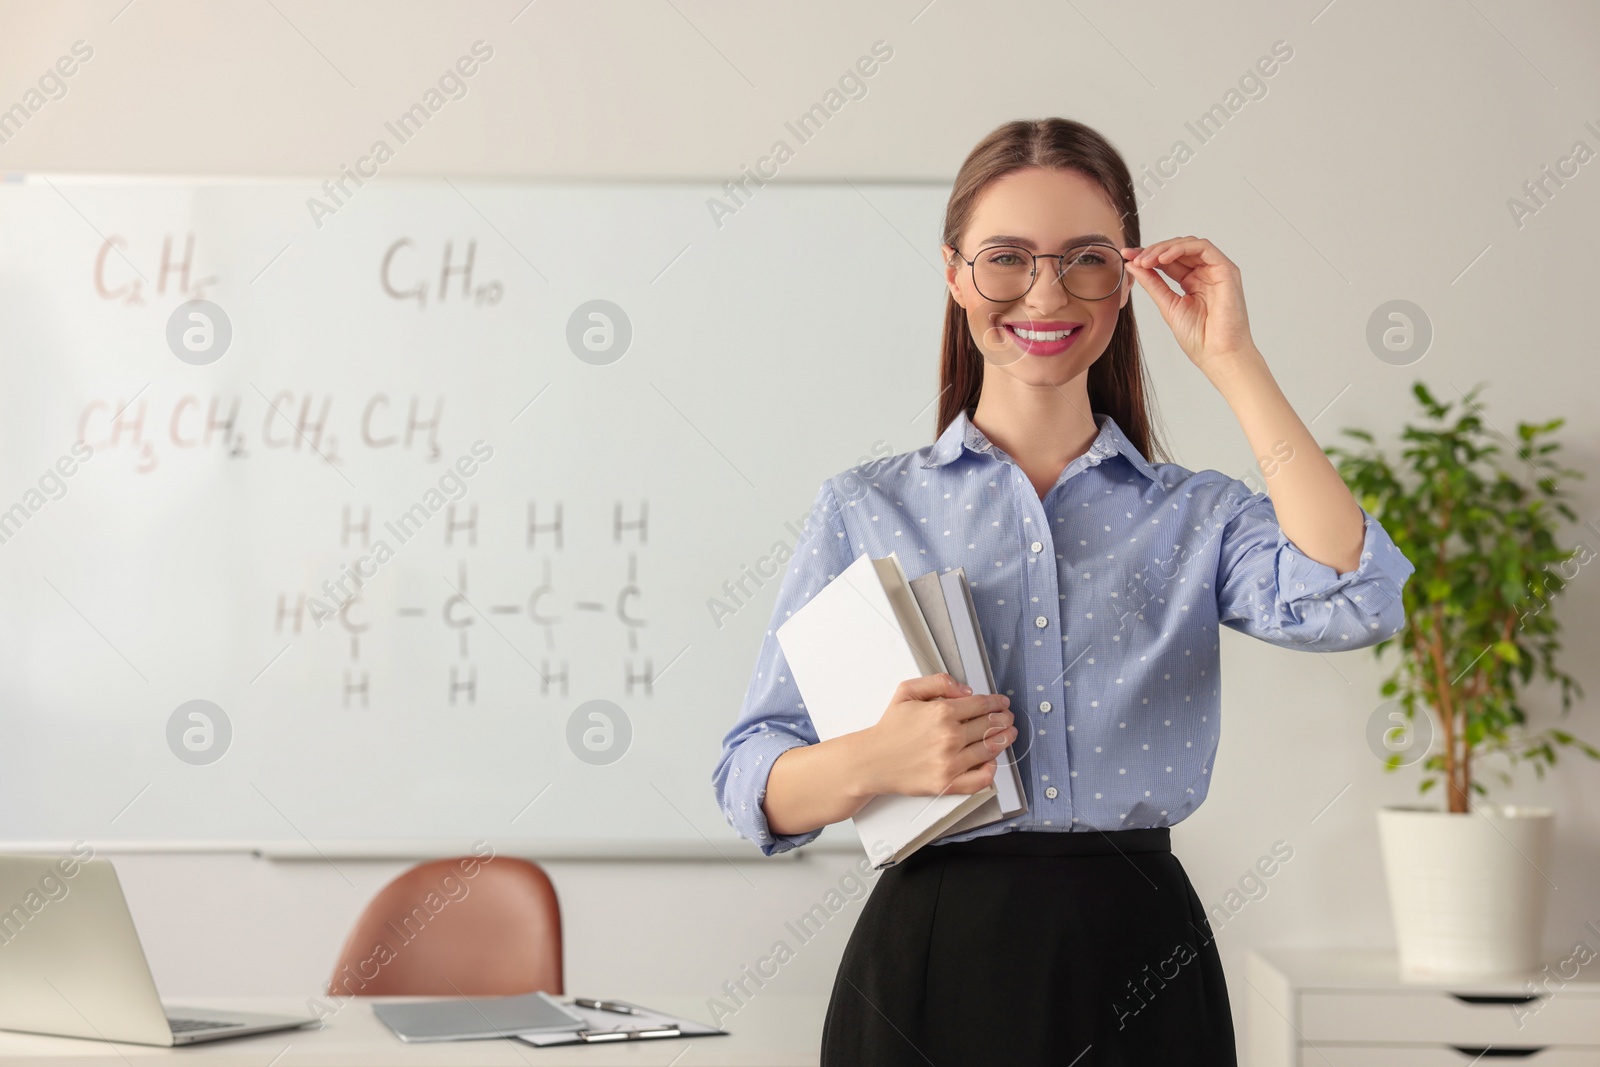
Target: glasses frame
{"x": 1033, "y": 271}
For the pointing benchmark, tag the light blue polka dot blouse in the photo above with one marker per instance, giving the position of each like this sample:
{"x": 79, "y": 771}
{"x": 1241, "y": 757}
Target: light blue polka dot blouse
{"x": 1100, "y": 605}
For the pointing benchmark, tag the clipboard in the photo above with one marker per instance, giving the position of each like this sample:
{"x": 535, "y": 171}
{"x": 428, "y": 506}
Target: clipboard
{"x": 478, "y": 1018}
{"x": 605, "y": 1027}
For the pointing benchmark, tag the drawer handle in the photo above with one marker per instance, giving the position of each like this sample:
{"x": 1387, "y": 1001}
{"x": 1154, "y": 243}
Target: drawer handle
{"x": 1486, "y": 998}
{"x": 1490, "y": 1052}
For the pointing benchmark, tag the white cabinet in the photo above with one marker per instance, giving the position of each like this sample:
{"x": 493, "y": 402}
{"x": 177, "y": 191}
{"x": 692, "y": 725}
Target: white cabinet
{"x": 1343, "y": 1007}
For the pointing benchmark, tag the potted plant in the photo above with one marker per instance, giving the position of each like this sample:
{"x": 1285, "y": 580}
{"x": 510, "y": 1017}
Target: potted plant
{"x": 1468, "y": 882}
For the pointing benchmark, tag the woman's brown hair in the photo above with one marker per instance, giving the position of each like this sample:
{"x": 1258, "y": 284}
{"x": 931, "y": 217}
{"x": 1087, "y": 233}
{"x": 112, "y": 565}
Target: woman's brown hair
{"x": 1117, "y": 384}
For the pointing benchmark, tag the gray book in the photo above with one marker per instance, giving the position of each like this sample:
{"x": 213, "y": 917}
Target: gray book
{"x": 952, "y": 618}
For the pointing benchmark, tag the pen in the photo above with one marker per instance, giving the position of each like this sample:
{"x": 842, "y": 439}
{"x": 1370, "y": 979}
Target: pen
{"x": 595, "y": 1036}
{"x": 603, "y": 1005}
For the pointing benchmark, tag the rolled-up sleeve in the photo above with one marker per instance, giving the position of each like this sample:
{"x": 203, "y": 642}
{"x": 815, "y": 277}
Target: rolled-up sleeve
{"x": 773, "y": 718}
{"x": 1269, "y": 589}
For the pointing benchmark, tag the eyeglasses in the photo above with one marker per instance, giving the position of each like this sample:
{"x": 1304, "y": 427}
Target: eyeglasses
{"x": 1003, "y": 273}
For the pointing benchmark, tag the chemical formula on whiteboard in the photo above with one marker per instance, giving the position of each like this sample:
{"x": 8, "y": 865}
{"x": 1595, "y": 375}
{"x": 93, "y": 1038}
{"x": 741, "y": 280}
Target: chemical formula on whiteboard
{"x": 291, "y": 421}
{"x": 405, "y": 274}
{"x": 461, "y": 612}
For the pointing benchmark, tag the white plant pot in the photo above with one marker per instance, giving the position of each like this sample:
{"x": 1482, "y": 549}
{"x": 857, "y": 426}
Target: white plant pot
{"x": 1468, "y": 891}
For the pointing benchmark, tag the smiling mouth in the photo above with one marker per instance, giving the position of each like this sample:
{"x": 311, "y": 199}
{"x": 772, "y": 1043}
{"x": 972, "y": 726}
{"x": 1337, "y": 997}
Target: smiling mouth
{"x": 1036, "y": 335}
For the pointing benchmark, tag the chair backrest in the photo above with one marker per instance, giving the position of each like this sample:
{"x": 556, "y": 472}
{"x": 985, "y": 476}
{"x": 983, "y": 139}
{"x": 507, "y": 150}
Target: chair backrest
{"x": 470, "y": 925}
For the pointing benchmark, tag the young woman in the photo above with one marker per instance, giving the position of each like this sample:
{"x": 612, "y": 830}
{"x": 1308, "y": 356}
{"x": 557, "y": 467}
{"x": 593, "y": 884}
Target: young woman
{"x": 1069, "y": 934}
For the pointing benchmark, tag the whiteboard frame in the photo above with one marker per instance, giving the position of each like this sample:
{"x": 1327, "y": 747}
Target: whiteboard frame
{"x": 289, "y": 851}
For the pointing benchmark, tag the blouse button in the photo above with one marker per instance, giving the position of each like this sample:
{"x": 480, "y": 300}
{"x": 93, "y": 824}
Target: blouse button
{"x": 1050, "y": 791}
{"x": 1044, "y": 705}
{"x": 1041, "y": 622}
{"x": 1037, "y": 546}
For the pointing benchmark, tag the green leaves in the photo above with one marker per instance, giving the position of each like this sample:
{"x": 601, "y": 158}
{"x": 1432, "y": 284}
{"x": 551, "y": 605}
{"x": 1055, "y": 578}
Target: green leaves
{"x": 1481, "y": 608}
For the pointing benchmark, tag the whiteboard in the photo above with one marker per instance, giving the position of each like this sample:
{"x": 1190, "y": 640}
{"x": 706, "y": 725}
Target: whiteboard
{"x": 577, "y": 417}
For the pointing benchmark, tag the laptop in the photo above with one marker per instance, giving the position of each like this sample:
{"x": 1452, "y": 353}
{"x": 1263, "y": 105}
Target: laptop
{"x": 71, "y": 963}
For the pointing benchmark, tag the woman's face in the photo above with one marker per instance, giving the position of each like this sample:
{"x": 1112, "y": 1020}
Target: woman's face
{"x": 1042, "y": 210}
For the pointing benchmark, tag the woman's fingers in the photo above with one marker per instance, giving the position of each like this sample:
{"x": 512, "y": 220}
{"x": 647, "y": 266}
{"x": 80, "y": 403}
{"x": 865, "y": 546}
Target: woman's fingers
{"x": 979, "y": 704}
{"x": 1180, "y": 256}
{"x": 984, "y": 727}
{"x": 928, "y": 687}
{"x": 975, "y": 779}
{"x": 989, "y": 739}
{"x": 1151, "y": 281}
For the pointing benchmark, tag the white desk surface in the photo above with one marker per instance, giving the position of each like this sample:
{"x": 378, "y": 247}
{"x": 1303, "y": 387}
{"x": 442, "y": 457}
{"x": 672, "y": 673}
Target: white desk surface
{"x": 772, "y": 1029}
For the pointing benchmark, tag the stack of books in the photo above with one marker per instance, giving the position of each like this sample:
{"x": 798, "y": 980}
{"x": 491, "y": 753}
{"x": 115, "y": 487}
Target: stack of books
{"x": 853, "y": 643}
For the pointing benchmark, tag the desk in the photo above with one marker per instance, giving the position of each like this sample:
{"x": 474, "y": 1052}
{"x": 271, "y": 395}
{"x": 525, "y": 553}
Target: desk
{"x": 772, "y": 1030}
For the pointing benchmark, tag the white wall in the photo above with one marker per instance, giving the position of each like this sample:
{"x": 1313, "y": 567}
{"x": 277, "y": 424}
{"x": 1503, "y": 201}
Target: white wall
{"x": 1378, "y": 165}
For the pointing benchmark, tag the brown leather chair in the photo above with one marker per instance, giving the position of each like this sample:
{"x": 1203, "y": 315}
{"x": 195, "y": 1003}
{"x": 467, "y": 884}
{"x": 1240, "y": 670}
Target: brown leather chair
{"x": 470, "y": 925}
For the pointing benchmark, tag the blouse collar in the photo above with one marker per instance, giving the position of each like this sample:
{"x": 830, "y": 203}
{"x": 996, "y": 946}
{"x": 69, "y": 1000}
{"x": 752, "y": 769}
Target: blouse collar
{"x": 963, "y": 433}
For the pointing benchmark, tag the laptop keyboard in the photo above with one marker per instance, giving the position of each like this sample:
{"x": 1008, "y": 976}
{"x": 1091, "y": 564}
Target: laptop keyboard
{"x": 180, "y": 1026}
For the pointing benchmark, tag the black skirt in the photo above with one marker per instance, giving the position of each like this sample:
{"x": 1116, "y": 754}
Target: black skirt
{"x": 1073, "y": 949}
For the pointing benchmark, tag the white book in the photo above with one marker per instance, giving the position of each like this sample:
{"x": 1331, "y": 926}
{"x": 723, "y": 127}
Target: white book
{"x": 849, "y": 647}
